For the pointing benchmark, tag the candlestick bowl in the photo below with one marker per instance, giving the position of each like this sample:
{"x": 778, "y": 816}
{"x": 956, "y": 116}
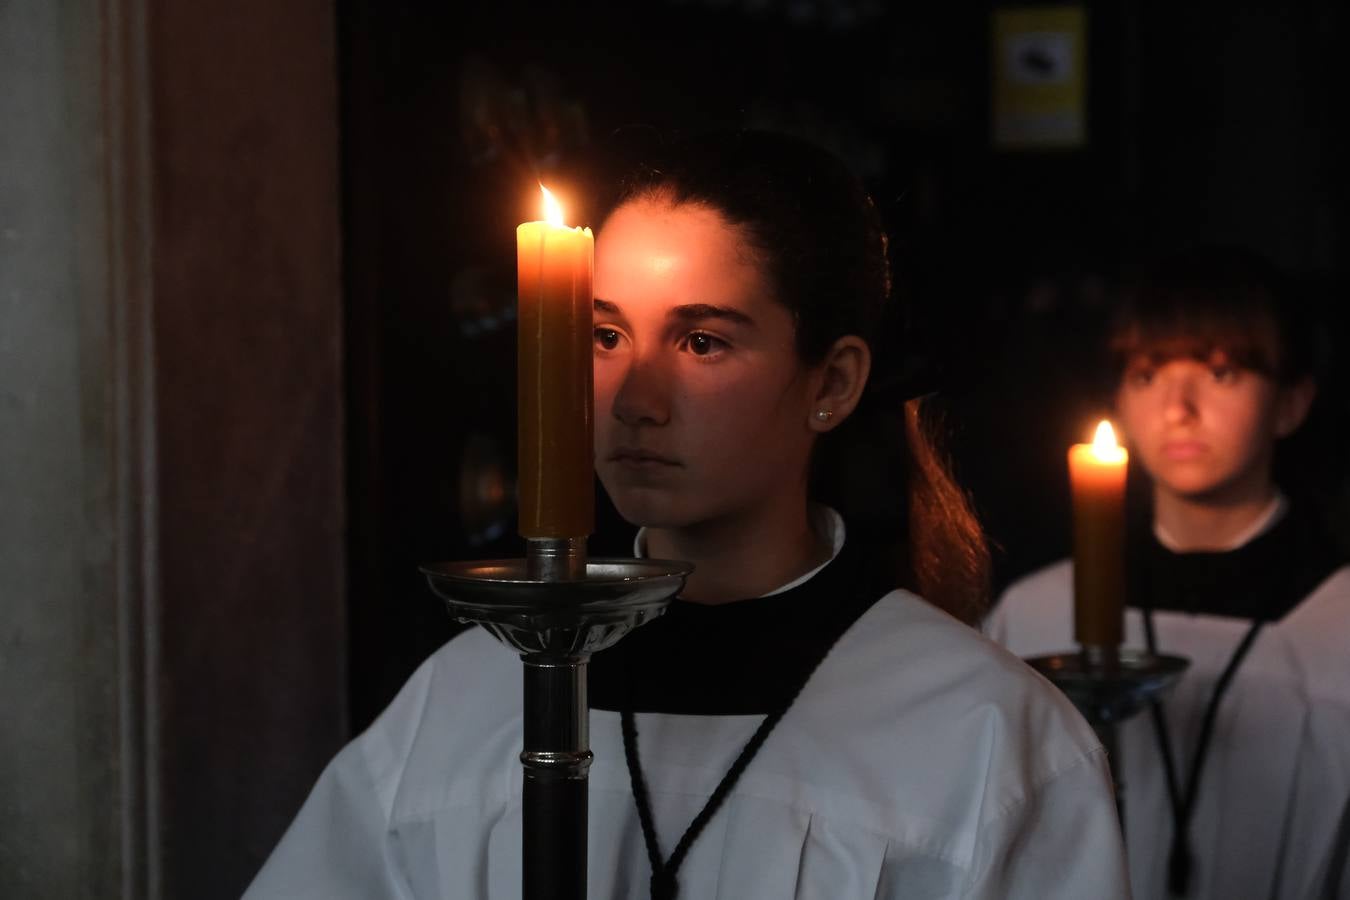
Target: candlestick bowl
{"x": 556, "y": 608}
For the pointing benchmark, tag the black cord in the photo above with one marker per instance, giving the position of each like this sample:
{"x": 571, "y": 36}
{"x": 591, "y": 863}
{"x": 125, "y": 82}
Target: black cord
{"x": 1180, "y": 858}
{"x": 644, "y": 806}
{"x": 1155, "y": 708}
{"x": 664, "y": 885}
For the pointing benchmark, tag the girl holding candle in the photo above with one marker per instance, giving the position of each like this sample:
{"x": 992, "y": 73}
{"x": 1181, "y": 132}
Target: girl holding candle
{"x": 1238, "y": 784}
{"x": 800, "y": 723}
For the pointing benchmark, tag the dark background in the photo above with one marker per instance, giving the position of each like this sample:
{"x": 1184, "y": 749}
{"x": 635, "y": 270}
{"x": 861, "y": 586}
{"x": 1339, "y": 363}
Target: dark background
{"x": 1205, "y": 124}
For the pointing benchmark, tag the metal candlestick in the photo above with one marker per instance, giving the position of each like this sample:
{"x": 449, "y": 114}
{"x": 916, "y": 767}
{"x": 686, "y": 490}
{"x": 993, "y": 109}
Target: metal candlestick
{"x": 556, "y": 608}
{"x": 1109, "y": 685}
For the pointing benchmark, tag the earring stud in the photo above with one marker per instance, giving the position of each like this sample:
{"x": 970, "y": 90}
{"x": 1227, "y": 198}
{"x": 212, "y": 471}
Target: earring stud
{"x": 823, "y": 415}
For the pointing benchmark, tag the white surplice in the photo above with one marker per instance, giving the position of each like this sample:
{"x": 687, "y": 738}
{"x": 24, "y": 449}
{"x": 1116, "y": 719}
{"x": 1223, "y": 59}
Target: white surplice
{"x": 920, "y": 761}
{"x": 1272, "y": 818}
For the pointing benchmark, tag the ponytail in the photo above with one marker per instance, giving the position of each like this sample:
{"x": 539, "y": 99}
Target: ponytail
{"x": 947, "y": 559}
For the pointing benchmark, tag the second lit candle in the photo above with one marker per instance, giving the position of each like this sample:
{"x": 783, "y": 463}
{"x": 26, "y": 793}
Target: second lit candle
{"x": 1097, "y": 478}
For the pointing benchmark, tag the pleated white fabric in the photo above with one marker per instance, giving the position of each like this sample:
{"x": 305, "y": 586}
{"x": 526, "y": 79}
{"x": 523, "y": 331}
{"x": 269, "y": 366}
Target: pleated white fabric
{"x": 921, "y": 761}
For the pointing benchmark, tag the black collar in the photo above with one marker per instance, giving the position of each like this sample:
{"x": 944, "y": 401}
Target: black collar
{"x": 1263, "y": 579}
{"x": 745, "y": 657}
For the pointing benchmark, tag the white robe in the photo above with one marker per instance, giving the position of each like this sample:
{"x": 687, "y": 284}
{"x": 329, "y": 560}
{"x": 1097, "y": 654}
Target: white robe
{"x": 1272, "y": 817}
{"x": 921, "y": 761}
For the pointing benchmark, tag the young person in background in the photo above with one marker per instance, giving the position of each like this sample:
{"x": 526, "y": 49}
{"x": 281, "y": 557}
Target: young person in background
{"x": 1237, "y": 784}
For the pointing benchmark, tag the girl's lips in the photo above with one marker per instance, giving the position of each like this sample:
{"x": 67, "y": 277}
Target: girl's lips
{"x": 1184, "y": 450}
{"x": 640, "y": 458}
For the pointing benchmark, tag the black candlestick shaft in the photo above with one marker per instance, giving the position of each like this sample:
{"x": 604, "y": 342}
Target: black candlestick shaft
{"x": 554, "y": 847}
{"x": 556, "y": 758}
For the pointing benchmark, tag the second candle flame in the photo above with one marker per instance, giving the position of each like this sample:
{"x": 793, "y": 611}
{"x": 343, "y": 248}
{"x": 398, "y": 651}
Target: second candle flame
{"x": 552, "y": 209}
{"x": 1104, "y": 445}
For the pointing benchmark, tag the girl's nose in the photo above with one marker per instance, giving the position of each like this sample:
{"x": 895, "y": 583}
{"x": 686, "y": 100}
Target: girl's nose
{"x": 1179, "y": 400}
{"x": 643, "y": 397}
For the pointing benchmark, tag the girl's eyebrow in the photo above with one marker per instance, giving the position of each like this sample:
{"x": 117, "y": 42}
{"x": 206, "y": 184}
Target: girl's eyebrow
{"x": 697, "y": 311}
{"x": 688, "y": 312}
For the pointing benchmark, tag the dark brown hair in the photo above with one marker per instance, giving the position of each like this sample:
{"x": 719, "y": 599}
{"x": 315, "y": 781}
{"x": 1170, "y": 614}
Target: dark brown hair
{"x": 819, "y": 241}
{"x": 1215, "y": 299}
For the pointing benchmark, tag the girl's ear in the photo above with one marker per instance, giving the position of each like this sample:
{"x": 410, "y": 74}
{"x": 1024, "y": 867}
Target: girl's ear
{"x": 838, "y": 382}
{"x": 1292, "y": 403}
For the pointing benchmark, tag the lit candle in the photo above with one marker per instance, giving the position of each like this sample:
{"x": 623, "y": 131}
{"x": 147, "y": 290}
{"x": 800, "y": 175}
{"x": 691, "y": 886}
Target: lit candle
{"x": 557, "y": 469}
{"x": 1097, "y": 477}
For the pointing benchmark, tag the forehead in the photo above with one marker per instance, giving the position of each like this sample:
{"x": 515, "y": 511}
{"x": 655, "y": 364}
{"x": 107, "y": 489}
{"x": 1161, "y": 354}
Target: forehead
{"x": 650, "y": 253}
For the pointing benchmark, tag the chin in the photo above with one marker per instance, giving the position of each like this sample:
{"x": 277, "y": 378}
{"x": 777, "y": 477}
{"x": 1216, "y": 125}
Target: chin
{"x": 660, "y": 507}
{"x": 648, "y": 507}
{"x": 1195, "y": 488}
{"x": 1184, "y": 479}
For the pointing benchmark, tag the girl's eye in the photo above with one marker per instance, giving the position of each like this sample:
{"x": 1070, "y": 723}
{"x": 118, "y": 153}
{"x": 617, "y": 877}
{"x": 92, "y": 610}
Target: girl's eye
{"x": 701, "y": 343}
{"x": 1139, "y": 378}
{"x": 1223, "y": 374}
{"x": 606, "y": 338}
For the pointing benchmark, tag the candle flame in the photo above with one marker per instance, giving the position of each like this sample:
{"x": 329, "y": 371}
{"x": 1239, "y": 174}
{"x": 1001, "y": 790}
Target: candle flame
{"x": 552, "y": 209}
{"x": 1104, "y": 445}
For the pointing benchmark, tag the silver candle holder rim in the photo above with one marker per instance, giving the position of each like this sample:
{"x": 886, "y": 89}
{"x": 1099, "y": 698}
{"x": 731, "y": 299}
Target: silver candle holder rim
{"x": 549, "y": 618}
{"x": 511, "y": 582}
{"x": 513, "y": 570}
{"x": 1114, "y": 689}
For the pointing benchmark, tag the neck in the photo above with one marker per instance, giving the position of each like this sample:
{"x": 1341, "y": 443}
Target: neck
{"x": 747, "y": 554}
{"x": 1210, "y": 523}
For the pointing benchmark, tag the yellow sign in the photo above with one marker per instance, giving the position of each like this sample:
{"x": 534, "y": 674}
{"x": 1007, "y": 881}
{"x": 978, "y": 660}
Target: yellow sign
{"x": 1039, "y": 78}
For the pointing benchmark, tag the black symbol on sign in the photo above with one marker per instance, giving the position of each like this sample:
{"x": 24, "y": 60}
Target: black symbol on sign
{"x": 1035, "y": 59}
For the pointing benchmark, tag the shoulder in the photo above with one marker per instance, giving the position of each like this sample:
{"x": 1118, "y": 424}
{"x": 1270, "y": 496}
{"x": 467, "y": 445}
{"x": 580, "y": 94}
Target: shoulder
{"x": 1329, "y": 601}
{"x": 937, "y": 690}
{"x": 1318, "y": 632}
{"x": 981, "y": 672}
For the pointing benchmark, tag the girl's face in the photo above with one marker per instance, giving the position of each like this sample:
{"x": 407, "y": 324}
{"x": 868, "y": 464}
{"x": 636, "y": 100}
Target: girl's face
{"x": 1203, "y": 428}
{"x": 701, "y": 403}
